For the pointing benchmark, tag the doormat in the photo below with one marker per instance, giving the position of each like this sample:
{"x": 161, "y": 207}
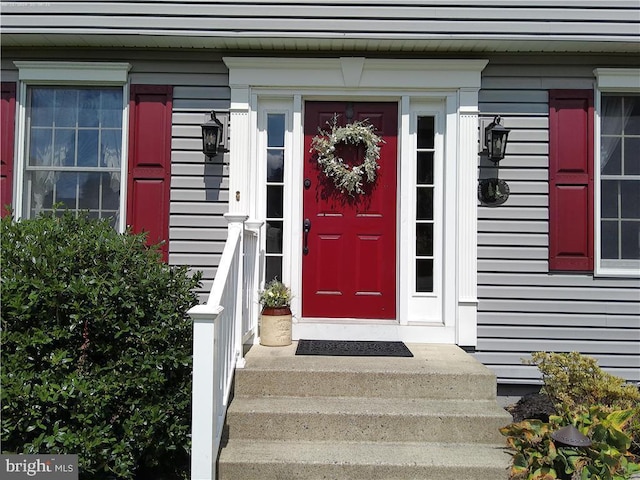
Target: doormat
{"x": 340, "y": 348}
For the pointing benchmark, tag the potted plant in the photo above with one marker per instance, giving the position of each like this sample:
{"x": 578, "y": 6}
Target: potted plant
{"x": 275, "y": 318}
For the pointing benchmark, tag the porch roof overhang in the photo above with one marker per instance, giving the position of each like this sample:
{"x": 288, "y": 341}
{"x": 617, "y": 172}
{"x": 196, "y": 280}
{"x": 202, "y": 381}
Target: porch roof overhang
{"x": 309, "y": 41}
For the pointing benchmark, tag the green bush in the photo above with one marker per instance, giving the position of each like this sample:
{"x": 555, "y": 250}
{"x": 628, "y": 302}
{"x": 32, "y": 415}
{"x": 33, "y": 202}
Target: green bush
{"x": 600, "y": 405}
{"x": 574, "y": 382}
{"x": 96, "y": 347}
{"x": 539, "y": 457}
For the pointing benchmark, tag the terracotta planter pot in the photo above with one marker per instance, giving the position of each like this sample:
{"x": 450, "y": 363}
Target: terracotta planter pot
{"x": 275, "y": 327}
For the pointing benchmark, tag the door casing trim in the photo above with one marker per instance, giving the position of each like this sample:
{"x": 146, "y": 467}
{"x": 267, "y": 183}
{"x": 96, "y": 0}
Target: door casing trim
{"x": 455, "y": 82}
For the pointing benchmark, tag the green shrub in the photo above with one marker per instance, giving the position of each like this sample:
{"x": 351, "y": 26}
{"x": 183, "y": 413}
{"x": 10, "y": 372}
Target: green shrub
{"x": 96, "y": 347}
{"x": 538, "y": 457}
{"x": 600, "y": 405}
{"x": 574, "y": 382}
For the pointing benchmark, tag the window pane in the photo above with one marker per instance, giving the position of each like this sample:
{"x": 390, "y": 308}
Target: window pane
{"x": 65, "y": 104}
{"x": 424, "y": 203}
{"x": 275, "y": 165}
{"x": 425, "y": 168}
{"x": 110, "y": 148}
{"x": 89, "y": 108}
{"x": 111, "y": 193}
{"x": 64, "y": 147}
{"x": 611, "y": 115}
{"x": 633, "y": 123}
{"x": 424, "y": 275}
{"x": 632, "y": 156}
{"x": 40, "y": 146}
{"x": 66, "y": 191}
{"x": 424, "y": 239}
{"x": 609, "y": 199}
{"x": 111, "y": 112}
{"x": 40, "y": 187}
{"x": 274, "y": 236}
{"x": 87, "y": 148}
{"x": 630, "y": 198}
{"x": 41, "y": 107}
{"x": 274, "y": 201}
{"x": 630, "y": 240}
{"x": 273, "y": 269}
{"x": 275, "y": 130}
{"x": 609, "y": 231}
{"x": 89, "y": 191}
{"x": 611, "y": 156}
{"x": 425, "y": 132}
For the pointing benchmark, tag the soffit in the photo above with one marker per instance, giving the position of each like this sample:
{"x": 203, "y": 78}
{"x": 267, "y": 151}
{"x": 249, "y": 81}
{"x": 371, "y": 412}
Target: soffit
{"x": 434, "y": 44}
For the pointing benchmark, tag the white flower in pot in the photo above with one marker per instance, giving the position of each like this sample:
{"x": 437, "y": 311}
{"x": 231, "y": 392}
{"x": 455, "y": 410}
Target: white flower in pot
{"x": 275, "y": 319}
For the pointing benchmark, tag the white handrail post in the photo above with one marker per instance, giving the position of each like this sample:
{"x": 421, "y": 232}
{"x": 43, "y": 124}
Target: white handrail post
{"x": 236, "y": 222}
{"x": 252, "y": 276}
{"x": 216, "y": 345}
{"x": 203, "y": 408}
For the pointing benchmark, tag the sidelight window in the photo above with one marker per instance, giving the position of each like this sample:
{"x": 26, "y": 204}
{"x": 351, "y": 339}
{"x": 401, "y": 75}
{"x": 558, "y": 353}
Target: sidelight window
{"x": 425, "y": 187}
{"x": 275, "y": 156}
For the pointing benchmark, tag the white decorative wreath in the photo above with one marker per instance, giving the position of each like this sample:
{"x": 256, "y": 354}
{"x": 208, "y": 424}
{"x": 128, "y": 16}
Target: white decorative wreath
{"x": 346, "y": 178}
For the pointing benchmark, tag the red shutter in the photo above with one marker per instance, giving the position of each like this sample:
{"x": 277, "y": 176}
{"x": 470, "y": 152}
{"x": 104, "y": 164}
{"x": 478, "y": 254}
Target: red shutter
{"x": 571, "y": 180}
{"x": 7, "y": 120}
{"x": 149, "y": 169}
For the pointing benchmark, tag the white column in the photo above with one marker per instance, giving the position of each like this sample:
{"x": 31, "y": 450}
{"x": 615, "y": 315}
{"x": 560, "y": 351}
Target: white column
{"x": 239, "y": 150}
{"x": 467, "y": 325}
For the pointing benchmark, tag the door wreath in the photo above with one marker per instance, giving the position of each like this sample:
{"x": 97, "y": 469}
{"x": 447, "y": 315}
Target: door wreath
{"x": 348, "y": 179}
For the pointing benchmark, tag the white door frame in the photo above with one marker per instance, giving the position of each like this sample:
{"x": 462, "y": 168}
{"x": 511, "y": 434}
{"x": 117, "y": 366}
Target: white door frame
{"x": 413, "y": 83}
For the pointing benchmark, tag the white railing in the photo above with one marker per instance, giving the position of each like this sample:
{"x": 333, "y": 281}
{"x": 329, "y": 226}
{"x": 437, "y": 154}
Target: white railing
{"x": 250, "y": 306}
{"x": 218, "y": 333}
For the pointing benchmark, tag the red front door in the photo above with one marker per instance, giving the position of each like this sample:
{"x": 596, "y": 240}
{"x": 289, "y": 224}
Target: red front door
{"x": 349, "y": 270}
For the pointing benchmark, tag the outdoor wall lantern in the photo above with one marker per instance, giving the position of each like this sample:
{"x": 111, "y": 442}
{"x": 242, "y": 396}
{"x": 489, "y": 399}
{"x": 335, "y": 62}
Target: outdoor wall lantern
{"x": 495, "y": 140}
{"x": 211, "y": 136}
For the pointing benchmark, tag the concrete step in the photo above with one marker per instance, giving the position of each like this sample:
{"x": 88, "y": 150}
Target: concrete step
{"x": 270, "y": 460}
{"x": 366, "y": 419}
{"x": 433, "y": 416}
{"x": 435, "y": 372}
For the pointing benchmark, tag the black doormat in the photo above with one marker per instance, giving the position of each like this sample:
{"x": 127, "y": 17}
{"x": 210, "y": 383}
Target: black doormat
{"x": 342, "y": 348}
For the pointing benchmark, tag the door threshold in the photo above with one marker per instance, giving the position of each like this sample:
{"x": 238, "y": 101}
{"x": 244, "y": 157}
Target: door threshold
{"x": 349, "y": 321}
{"x": 370, "y": 330}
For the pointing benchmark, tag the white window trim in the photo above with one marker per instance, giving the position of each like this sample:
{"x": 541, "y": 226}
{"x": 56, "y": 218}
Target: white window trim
{"x": 79, "y": 74}
{"x": 254, "y": 79}
{"x": 284, "y": 107}
{"x": 423, "y": 307}
{"x": 609, "y": 80}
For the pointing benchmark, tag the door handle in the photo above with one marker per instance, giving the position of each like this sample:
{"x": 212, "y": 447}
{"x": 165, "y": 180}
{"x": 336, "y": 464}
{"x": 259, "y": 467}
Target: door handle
{"x": 306, "y": 226}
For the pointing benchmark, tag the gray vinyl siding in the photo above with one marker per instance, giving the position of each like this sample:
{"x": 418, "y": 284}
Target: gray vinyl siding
{"x": 199, "y": 189}
{"x": 522, "y": 306}
{"x": 343, "y": 25}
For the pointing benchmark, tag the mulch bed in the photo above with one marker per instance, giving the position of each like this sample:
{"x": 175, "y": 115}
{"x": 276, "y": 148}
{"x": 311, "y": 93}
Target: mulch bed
{"x": 533, "y": 405}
